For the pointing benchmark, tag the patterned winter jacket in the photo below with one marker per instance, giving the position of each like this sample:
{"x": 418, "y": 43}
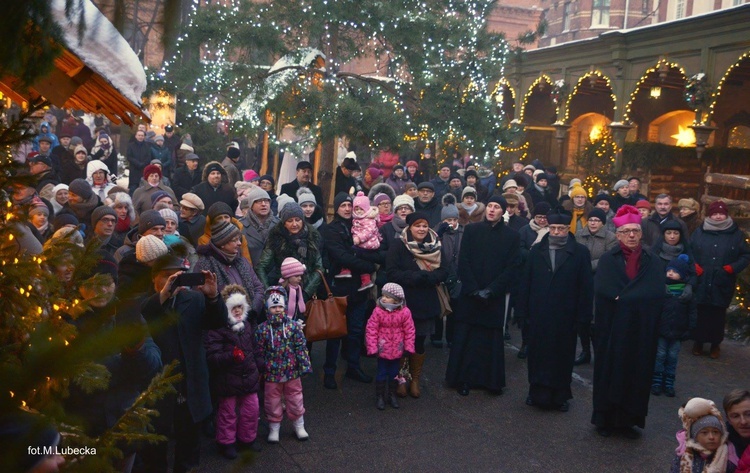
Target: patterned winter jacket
{"x": 366, "y": 229}
{"x": 390, "y": 333}
{"x": 284, "y": 348}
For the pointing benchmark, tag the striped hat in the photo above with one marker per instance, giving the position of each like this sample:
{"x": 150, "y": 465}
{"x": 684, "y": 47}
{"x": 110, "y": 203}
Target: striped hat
{"x": 223, "y": 232}
{"x": 394, "y": 291}
{"x": 292, "y": 267}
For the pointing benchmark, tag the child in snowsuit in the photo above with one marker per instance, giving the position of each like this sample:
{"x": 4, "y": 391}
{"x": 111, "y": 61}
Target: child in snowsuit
{"x": 283, "y": 345}
{"x": 291, "y": 278}
{"x": 389, "y": 333}
{"x": 703, "y": 442}
{"x": 237, "y": 363}
{"x": 678, "y": 317}
{"x": 365, "y": 234}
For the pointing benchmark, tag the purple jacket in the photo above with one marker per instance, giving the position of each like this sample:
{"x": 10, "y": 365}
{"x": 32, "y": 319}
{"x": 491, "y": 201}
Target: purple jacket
{"x": 229, "y": 377}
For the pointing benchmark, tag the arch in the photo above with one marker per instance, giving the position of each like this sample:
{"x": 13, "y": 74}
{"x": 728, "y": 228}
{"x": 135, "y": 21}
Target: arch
{"x": 593, "y": 83}
{"x": 505, "y": 96}
{"x": 538, "y": 96}
{"x": 673, "y": 128}
{"x": 652, "y": 77}
{"x": 584, "y": 129}
{"x": 740, "y": 67}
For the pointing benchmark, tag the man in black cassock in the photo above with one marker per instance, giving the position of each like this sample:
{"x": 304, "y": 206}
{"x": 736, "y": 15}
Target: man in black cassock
{"x": 556, "y": 296}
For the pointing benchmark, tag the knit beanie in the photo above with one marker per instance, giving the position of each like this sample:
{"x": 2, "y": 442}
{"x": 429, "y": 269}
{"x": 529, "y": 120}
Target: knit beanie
{"x": 718, "y": 207}
{"x": 577, "y": 191}
{"x": 542, "y": 208}
{"x": 149, "y": 248}
{"x": 426, "y": 185}
{"x": 152, "y": 169}
{"x": 689, "y": 203}
{"x": 219, "y": 208}
{"x": 305, "y": 195}
{"x": 80, "y": 149}
{"x": 157, "y": 196}
{"x": 403, "y": 200}
{"x": 362, "y": 201}
{"x": 63, "y": 187}
{"x": 601, "y": 197}
{"x": 291, "y": 210}
{"x": 255, "y": 194}
{"x": 169, "y": 214}
{"x": 381, "y": 197}
{"x": 64, "y": 219}
{"x": 292, "y": 267}
{"x": 540, "y": 176}
{"x": 522, "y": 180}
{"x": 223, "y": 232}
{"x": 679, "y": 265}
{"x": 471, "y": 172}
{"x": 596, "y": 212}
{"x": 468, "y": 190}
{"x": 409, "y": 185}
{"x": 509, "y": 183}
{"x": 339, "y": 199}
{"x": 275, "y": 296}
{"x": 449, "y": 211}
{"x": 250, "y": 176}
{"x": 269, "y": 178}
{"x": 81, "y": 188}
{"x": 412, "y": 163}
{"x": 100, "y": 212}
{"x": 643, "y": 204}
{"x": 233, "y": 153}
{"x": 158, "y": 138}
{"x": 282, "y": 201}
{"x": 42, "y": 209}
{"x": 394, "y": 291}
{"x": 148, "y": 220}
{"x": 499, "y": 200}
{"x": 415, "y": 217}
{"x": 620, "y": 184}
{"x": 698, "y": 414}
{"x": 374, "y": 172}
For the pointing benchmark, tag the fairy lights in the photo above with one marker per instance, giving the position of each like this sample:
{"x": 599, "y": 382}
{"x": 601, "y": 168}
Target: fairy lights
{"x": 533, "y": 88}
{"x": 586, "y": 81}
{"x": 717, "y": 92}
{"x": 649, "y": 73}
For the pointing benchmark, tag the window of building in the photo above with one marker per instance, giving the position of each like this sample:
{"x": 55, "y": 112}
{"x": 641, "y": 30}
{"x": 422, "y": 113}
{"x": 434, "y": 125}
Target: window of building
{"x": 737, "y": 2}
{"x": 644, "y": 7}
{"x": 567, "y": 14}
{"x": 679, "y": 11}
{"x": 600, "y": 13}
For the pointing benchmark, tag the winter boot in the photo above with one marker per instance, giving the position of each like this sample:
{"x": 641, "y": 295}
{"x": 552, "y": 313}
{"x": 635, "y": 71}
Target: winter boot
{"x": 299, "y": 429}
{"x": 366, "y": 281}
{"x": 415, "y": 367}
{"x": 669, "y": 385}
{"x": 391, "y": 395}
{"x": 380, "y": 395}
{"x": 401, "y": 390}
{"x": 697, "y": 349}
{"x": 273, "y": 432}
{"x": 584, "y": 358}
{"x": 228, "y": 451}
{"x": 715, "y": 351}
{"x": 657, "y": 380}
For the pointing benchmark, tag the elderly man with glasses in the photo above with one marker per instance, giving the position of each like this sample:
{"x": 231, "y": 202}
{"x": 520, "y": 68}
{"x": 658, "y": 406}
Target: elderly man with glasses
{"x": 629, "y": 291}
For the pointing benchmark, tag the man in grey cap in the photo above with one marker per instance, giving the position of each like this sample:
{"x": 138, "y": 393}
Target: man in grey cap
{"x": 103, "y": 221}
{"x": 188, "y": 176}
{"x": 304, "y": 179}
{"x": 428, "y": 203}
{"x": 258, "y": 221}
{"x": 192, "y": 221}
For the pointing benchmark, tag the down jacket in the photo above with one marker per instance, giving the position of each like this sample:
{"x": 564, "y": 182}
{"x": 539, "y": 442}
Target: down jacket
{"x": 284, "y": 349}
{"x": 390, "y": 333}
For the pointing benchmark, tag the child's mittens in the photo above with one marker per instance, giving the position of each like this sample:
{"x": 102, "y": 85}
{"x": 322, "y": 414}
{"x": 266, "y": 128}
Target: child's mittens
{"x": 238, "y": 355}
{"x": 698, "y": 270}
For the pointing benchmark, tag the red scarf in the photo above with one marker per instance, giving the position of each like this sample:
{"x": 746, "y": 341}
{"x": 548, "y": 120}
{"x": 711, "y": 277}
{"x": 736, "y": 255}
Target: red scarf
{"x": 123, "y": 225}
{"x": 632, "y": 260}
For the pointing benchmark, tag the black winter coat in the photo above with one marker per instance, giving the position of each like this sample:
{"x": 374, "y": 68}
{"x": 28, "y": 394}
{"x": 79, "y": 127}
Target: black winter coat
{"x": 138, "y": 155}
{"x": 712, "y": 251}
{"x": 337, "y": 238}
{"x": 229, "y": 377}
{"x": 653, "y": 229}
{"x": 343, "y": 183}
{"x": 420, "y": 286}
{"x": 183, "y": 180}
{"x": 432, "y": 209}
{"x": 70, "y": 171}
{"x": 678, "y": 317}
{"x": 490, "y": 258}
{"x": 210, "y": 195}
{"x": 569, "y": 286}
{"x": 626, "y": 328}
{"x": 291, "y": 188}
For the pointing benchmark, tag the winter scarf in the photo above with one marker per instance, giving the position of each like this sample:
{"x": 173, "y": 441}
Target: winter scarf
{"x": 123, "y": 224}
{"x": 675, "y": 288}
{"x": 298, "y": 241}
{"x": 427, "y": 253}
{"x": 715, "y": 226}
{"x": 388, "y": 306}
{"x": 261, "y": 227}
{"x": 229, "y": 257}
{"x": 384, "y": 219}
{"x": 669, "y": 252}
{"x": 716, "y": 462}
{"x": 540, "y": 231}
{"x": 578, "y": 219}
{"x": 213, "y": 260}
{"x": 632, "y": 260}
{"x": 556, "y": 243}
{"x": 43, "y": 228}
{"x": 296, "y": 301}
{"x": 470, "y": 209}
{"x": 82, "y": 210}
{"x": 398, "y": 223}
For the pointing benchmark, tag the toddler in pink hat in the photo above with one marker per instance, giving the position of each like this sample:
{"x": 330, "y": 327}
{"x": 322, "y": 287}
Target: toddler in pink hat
{"x": 291, "y": 279}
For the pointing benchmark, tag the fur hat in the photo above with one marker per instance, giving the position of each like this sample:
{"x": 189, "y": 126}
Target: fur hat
{"x": 305, "y": 195}
{"x": 223, "y": 232}
{"x": 81, "y": 188}
{"x": 680, "y": 266}
{"x": 152, "y": 169}
{"x": 403, "y": 200}
{"x": 362, "y": 201}
{"x": 235, "y": 295}
{"x": 625, "y": 215}
{"x": 559, "y": 217}
{"x": 511, "y": 198}
{"x": 718, "y": 207}
{"x": 620, "y": 184}
{"x": 509, "y": 183}
{"x": 191, "y": 201}
{"x": 275, "y": 296}
{"x": 149, "y": 248}
{"x": 394, "y": 291}
{"x": 689, "y": 203}
{"x": 150, "y": 219}
{"x": 292, "y": 267}
{"x": 697, "y": 415}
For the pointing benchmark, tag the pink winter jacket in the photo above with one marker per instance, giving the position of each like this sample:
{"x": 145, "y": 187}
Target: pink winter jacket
{"x": 366, "y": 229}
{"x": 390, "y": 334}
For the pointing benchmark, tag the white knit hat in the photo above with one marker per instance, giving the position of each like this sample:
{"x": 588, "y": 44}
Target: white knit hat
{"x": 169, "y": 214}
{"x": 403, "y": 200}
{"x": 149, "y": 248}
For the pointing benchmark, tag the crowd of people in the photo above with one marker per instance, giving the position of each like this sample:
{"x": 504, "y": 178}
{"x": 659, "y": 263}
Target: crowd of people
{"x": 451, "y": 260}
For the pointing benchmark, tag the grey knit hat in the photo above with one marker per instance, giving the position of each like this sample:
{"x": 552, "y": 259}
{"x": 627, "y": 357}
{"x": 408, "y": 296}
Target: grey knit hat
{"x": 256, "y": 193}
{"x": 219, "y": 208}
{"x": 291, "y": 210}
{"x": 305, "y": 195}
{"x": 223, "y": 232}
{"x": 403, "y": 200}
{"x": 449, "y": 211}
{"x": 620, "y": 184}
{"x": 81, "y": 188}
{"x": 150, "y": 219}
{"x": 100, "y": 212}
{"x": 705, "y": 422}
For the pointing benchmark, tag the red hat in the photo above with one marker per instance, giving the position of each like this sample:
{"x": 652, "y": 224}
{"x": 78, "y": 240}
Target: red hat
{"x": 412, "y": 163}
{"x": 718, "y": 207}
{"x": 152, "y": 169}
{"x": 625, "y": 215}
{"x": 643, "y": 204}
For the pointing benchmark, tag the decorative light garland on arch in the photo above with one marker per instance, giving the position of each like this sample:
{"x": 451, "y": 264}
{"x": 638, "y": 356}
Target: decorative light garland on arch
{"x": 717, "y": 92}
{"x": 644, "y": 76}
{"x": 543, "y": 77}
{"x": 578, "y": 84}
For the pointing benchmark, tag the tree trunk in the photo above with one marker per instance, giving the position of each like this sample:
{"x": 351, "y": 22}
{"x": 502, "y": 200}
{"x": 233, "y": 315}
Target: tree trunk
{"x": 730, "y": 180}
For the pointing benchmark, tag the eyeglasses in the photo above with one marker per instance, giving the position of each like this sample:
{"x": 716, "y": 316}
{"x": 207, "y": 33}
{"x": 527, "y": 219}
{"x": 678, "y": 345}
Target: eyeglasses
{"x": 108, "y": 220}
{"x": 632, "y": 231}
{"x": 594, "y": 220}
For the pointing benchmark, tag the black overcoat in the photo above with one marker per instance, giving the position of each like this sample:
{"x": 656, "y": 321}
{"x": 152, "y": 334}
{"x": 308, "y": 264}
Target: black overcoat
{"x": 712, "y": 251}
{"x": 626, "y": 331}
{"x": 556, "y": 301}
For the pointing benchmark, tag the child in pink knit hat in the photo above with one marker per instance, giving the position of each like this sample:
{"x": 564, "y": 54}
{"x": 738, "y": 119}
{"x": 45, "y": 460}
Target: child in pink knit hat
{"x": 365, "y": 233}
{"x": 291, "y": 279}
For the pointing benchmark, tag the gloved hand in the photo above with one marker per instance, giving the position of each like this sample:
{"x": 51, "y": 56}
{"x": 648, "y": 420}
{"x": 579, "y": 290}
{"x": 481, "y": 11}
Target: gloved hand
{"x": 442, "y": 228}
{"x": 698, "y": 270}
{"x": 484, "y": 294}
{"x": 687, "y": 293}
{"x": 238, "y": 355}
{"x": 728, "y": 269}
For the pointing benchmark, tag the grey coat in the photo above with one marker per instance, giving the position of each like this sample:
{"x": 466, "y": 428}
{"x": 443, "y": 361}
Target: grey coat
{"x": 598, "y": 244}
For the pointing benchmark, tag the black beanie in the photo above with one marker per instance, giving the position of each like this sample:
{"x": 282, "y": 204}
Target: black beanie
{"x": 64, "y": 218}
{"x": 219, "y": 208}
{"x": 601, "y": 197}
{"x": 415, "y": 216}
{"x": 598, "y": 213}
{"x": 499, "y": 200}
{"x": 233, "y": 153}
{"x": 542, "y": 208}
{"x": 340, "y": 198}
{"x": 150, "y": 219}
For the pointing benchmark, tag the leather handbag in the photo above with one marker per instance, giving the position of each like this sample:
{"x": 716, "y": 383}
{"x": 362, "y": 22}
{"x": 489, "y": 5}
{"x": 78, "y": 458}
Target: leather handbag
{"x": 326, "y": 318}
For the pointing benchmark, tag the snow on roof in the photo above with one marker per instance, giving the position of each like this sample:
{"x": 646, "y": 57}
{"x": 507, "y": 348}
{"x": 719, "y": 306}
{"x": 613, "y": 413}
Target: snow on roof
{"x": 250, "y": 108}
{"x": 102, "y": 48}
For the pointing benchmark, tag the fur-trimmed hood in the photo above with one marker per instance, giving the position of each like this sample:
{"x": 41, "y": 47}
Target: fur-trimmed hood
{"x": 214, "y": 166}
{"x": 234, "y": 300}
{"x": 381, "y": 188}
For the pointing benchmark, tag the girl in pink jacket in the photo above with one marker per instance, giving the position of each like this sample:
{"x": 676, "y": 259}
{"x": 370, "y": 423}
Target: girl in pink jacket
{"x": 389, "y": 333}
